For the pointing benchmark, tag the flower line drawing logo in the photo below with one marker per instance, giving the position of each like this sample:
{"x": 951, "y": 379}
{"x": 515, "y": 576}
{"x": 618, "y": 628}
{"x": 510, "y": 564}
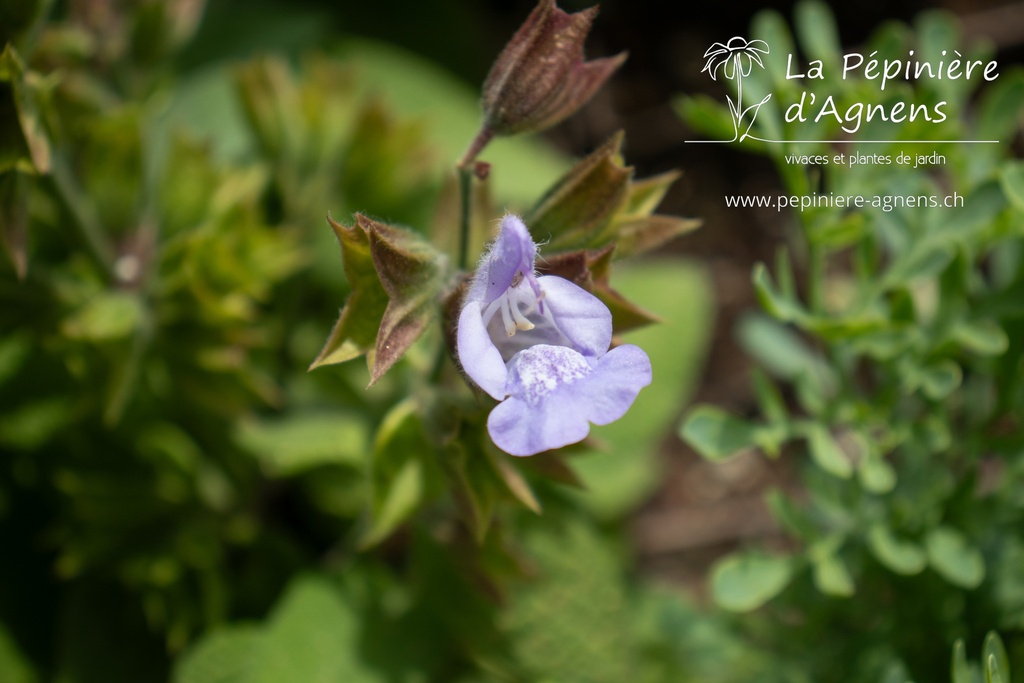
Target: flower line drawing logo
{"x": 736, "y": 59}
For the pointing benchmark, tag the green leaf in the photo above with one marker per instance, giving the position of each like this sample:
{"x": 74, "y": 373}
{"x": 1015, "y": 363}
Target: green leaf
{"x": 950, "y": 554}
{"x": 303, "y": 441}
{"x": 715, "y": 434}
{"x": 108, "y": 316}
{"x": 816, "y": 30}
{"x": 994, "y": 655}
{"x": 514, "y": 481}
{"x": 980, "y": 208}
{"x": 828, "y": 455}
{"x": 792, "y": 518}
{"x": 902, "y": 557}
{"x": 33, "y": 423}
{"x": 223, "y": 656}
{"x": 992, "y": 672}
{"x": 783, "y": 353}
{"x": 779, "y": 305}
{"x": 832, "y": 577}
{"x": 999, "y": 112}
{"x": 960, "y": 669}
{"x": 312, "y": 636}
{"x": 923, "y": 260}
{"x": 14, "y": 349}
{"x": 771, "y": 27}
{"x": 875, "y": 474}
{"x": 475, "y": 486}
{"x": 1011, "y": 177}
{"x": 743, "y": 582}
{"x": 398, "y": 474}
{"x": 983, "y": 337}
{"x": 706, "y": 115}
{"x": 14, "y": 667}
{"x": 938, "y": 381}
{"x": 769, "y": 398}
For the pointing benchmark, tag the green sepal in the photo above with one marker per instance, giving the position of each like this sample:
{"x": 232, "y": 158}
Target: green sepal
{"x": 639, "y": 234}
{"x": 396, "y": 279}
{"x": 23, "y": 144}
{"x": 597, "y": 204}
{"x": 355, "y": 332}
{"x": 577, "y": 208}
{"x": 24, "y": 151}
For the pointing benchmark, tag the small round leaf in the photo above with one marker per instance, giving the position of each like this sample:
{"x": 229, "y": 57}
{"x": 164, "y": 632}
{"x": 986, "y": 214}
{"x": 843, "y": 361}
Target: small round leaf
{"x": 744, "y": 582}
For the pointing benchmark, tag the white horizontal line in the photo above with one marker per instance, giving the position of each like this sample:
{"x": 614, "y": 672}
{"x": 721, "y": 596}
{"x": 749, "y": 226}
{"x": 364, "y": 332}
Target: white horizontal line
{"x": 857, "y": 142}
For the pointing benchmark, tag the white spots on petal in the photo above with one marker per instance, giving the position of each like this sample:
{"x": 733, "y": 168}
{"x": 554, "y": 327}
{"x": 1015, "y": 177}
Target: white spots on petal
{"x": 540, "y": 370}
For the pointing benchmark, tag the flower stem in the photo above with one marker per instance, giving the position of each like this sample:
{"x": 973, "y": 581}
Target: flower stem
{"x": 465, "y": 171}
{"x": 465, "y": 212}
{"x": 475, "y": 147}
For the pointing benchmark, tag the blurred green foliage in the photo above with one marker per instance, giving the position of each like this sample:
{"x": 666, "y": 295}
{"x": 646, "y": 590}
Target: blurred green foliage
{"x": 890, "y": 368}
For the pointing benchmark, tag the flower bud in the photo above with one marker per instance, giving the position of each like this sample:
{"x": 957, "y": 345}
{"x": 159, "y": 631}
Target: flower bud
{"x": 540, "y": 77}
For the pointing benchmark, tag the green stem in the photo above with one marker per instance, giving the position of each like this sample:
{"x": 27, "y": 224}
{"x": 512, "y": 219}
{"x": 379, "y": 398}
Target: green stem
{"x": 465, "y": 170}
{"x": 465, "y": 211}
{"x": 475, "y": 147}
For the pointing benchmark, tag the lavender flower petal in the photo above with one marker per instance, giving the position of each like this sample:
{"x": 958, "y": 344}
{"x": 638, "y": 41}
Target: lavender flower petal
{"x": 479, "y": 356}
{"x": 513, "y": 252}
{"x": 555, "y": 393}
{"x": 584, "y": 320}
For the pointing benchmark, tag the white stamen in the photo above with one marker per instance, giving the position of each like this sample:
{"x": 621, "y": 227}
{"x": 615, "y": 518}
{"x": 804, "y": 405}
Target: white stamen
{"x": 506, "y": 317}
{"x": 491, "y": 309}
{"x": 521, "y": 322}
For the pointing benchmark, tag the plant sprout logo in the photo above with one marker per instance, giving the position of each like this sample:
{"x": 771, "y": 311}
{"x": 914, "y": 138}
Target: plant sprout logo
{"x": 736, "y": 59}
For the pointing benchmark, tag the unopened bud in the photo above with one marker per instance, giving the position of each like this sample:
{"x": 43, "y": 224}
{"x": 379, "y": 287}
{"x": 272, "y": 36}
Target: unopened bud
{"x": 540, "y": 77}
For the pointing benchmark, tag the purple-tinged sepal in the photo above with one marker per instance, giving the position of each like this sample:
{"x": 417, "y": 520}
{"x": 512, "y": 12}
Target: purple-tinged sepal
{"x": 541, "y": 78}
{"x": 597, "y": 203}
{"x": 396, "y": 279}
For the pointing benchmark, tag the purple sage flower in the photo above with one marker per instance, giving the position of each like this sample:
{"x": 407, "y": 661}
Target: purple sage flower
{"x": 539, "y": 344}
